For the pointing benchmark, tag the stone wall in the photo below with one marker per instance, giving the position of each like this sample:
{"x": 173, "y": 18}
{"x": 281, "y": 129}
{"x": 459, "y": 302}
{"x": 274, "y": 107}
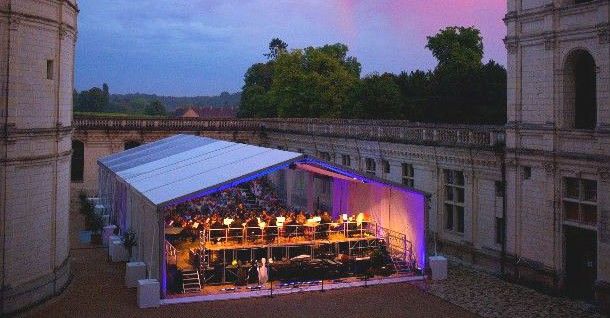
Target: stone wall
{"x": 475, "y": 150}
{"x": 540, "y": 136}
{"x": 36, "y": 80}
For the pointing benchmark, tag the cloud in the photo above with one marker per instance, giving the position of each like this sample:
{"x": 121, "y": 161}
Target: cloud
{"x": 195, "y": 47}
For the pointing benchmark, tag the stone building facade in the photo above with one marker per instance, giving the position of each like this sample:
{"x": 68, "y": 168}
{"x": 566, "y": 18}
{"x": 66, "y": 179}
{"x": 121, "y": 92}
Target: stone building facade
{"x": 36, "y": 78}
{"x": 558, "y": 142}
{"x": 459, "y": 166}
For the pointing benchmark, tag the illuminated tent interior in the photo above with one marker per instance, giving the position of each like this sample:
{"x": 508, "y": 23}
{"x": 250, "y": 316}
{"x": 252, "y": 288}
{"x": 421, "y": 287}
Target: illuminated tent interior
{"x": 137, "y": 184}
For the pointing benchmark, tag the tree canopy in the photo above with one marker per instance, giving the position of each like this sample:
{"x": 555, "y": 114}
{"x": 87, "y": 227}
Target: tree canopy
{"x": 325, "y": 82}
{"x": 310, "y": 82}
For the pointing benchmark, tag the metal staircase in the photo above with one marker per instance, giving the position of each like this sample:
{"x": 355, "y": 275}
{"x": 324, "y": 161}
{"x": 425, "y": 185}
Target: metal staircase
{"x": 191, "y": 282}
{"x": 401, "y": 266}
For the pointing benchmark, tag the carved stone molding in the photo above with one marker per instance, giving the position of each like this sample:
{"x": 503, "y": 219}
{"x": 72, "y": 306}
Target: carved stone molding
{"x": 549, "y": 42}
{"x": 14, "y": 23}
{"x": 549, "y": 168}
{"x": 603, "y": 33}
{"x": 604, "y": 174}
{"x": 511, "y": 45}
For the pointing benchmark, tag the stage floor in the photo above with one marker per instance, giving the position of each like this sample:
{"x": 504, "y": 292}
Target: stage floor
{"x": 224, "y": 292}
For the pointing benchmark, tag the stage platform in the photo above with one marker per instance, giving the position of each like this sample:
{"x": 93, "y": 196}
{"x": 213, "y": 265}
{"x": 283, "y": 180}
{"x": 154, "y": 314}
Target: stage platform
{"x": 216, "y": 293}
{"x": 230, "y": 251}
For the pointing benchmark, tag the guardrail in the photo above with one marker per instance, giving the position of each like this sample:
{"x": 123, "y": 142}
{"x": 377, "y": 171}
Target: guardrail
{"x": 398, "y": 131}
{"x": 397, "y": 243}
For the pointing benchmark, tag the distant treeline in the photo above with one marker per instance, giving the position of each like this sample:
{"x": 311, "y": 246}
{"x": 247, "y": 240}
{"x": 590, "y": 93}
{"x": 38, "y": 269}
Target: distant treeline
{"x": 99, "y": 100}
{"x": 326, "y": 82}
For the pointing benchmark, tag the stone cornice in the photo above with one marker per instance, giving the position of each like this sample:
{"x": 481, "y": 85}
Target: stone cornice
{"x": 543, "y": 154}
{"x": 10, "y": 132}
{"x": 36, "y": 159}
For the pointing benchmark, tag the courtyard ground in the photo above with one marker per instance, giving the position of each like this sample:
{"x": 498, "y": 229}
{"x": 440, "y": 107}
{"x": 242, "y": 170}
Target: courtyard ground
{"x": 97, "y": 290}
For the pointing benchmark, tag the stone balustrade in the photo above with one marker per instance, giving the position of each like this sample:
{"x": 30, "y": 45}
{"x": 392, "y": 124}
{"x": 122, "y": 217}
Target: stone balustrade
{"x": 378, "y": 130}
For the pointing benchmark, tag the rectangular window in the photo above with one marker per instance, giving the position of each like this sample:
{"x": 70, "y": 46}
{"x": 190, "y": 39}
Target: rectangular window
{"x": 449, "y": 217}
{"x": 50, "y": 69}
{"x": 386, "y": 166}
{"x": 527, "y": 173}
{"x": 346, "y": 160}
{"x": 499, "y": 185}
{"x": 408, "y": 178}
{"x": 370, "y": 166}
{"x": 324, "y": 155}
{"x": 580, "y": 200}
{"x": 454, "y": 200}
{"x": 500, "y": 228}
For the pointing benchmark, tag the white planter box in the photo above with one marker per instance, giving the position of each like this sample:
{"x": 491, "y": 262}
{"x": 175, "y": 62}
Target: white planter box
{"x": 118, "y": 252}
{"x": 149, "y": 295}
{"x": 134, "y": 271}
{"x": 100, "y": 209}
{"x": 438, "y": 265}
{"x": 108, "y": 233}
{"x": 94, "y": 200}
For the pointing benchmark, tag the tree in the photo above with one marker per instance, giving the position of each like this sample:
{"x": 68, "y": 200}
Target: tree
{"x": 105, "y": 96}
{"x": 457, "y": 47}
{"x": 315, "y": 82}
{"x": 155, "y": 108}
{"x": 254, "y": 99}
{"x": 276, "y": 47}
{"x": 310, "y": 82}
{"x": 379, "y": 96}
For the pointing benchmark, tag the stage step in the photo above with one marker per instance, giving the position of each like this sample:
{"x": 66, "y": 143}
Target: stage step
{"x": 191, "y": 282}
{"x": 400, "y": 265}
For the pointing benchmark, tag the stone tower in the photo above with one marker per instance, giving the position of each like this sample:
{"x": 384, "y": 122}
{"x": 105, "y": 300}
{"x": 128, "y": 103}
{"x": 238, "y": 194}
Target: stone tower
{"x": 558, "y": 144}
{"x": 36, "y": 80}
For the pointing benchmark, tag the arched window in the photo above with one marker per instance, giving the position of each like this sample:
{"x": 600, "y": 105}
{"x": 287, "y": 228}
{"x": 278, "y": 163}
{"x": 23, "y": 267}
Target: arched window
{"x": 131, "y": 144}
{"x": 580, "y": 91}
{"x": 78, "y": 161}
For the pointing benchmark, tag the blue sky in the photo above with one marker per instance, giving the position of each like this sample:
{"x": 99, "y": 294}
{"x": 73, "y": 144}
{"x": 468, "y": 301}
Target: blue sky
{"x": 204, "y": 47}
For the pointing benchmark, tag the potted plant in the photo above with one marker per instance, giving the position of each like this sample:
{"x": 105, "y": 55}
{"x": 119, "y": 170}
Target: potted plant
{"x": 97, "y": 224}
{"x": 129, "y": 241}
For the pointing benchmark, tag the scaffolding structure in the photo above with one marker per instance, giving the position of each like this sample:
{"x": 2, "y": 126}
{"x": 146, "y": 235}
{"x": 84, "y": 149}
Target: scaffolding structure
{"x": 218, "y": 248}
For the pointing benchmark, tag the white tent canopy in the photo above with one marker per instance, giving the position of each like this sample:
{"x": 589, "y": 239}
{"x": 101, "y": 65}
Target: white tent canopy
{"x": 184, "y": 165}
{"x": 136, "y": 184}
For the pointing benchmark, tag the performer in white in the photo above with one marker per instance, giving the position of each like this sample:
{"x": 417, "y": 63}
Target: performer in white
{"x": 263, "y": 276}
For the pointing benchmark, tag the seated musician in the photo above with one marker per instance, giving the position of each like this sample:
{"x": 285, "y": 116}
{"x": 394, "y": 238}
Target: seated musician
{"x": 252, "y": 228}
{"x": 325, "y": 224}
{"x": 271, "y": 230}
{"x": 289, "y": 225}
{"x": 216, "y": 229}
{"x": 301, "y": 220}
{"x": 237, "y": 231}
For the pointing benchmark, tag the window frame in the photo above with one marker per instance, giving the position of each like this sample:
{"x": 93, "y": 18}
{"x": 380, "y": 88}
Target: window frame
{"x": 454, "y": 183}
{"x": 370, "y": 166}
{"x": 408, "y": 175}
{"x": 582, "y": 199}
{"x": 385, "y": 166}
{"x": 346, "y": 160}
{"x": 50, "y": 69}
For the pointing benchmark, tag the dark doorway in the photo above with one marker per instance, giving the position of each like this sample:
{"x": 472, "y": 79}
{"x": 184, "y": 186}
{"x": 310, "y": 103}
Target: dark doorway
{"x": 581, "y": 90}
{"x": 581, "y": 262}
{"x": 78, "y": 161}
